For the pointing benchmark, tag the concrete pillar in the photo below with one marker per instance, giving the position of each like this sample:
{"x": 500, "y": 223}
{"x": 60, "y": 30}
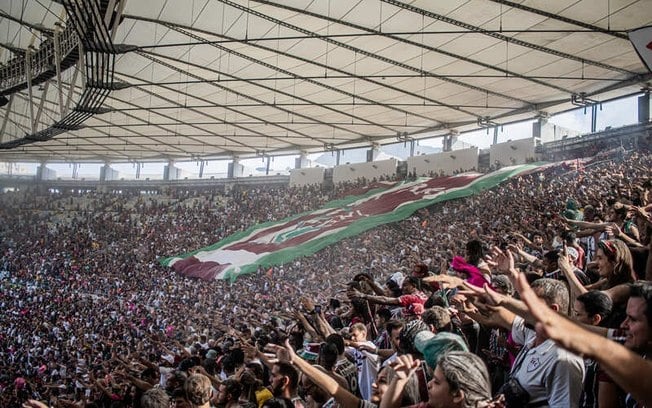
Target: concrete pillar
{"x": 235, "y": 168}
{"x": 44, "y": 173}
{"x": 170, "y": 172}
{"x": 448, "y": 142}
{"x": 543, "y": 130}
{"x": 107, "y": 173}
{"x": 644, "y": 108}
{"x": 373, "y": 153}
{"x": 302, "y": 161}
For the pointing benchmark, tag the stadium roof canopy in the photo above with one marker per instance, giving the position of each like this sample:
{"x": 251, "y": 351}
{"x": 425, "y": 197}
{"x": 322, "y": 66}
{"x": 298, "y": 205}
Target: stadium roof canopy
{"x": 131, "y": 80}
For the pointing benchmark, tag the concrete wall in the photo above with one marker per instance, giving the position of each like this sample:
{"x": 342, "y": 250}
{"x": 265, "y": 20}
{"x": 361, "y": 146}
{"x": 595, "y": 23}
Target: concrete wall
{"x": 307, "y": 176}
{"x": 170, "y": 172}
{"x": 510, "y": 153}
{"x": 108, "y": 174}
{"x": 549, "y": 132}
{"x": 351, "y": 172}
{"x": 446, "y": 162}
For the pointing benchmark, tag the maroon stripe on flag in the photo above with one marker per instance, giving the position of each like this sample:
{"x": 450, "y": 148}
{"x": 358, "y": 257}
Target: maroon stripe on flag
{"x": 193, "y": 268}
{"x": 335, "y": 218}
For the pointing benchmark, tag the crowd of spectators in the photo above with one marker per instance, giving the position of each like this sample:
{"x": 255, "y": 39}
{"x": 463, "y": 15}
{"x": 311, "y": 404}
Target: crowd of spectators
{"x": 421, "y": 312}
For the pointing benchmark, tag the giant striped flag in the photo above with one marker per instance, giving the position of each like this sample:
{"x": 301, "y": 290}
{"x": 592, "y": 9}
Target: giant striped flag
{"x": 279, "y": 242}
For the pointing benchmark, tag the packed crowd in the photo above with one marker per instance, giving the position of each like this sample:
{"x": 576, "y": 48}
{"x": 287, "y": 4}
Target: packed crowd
{"x": 438, "y": 310}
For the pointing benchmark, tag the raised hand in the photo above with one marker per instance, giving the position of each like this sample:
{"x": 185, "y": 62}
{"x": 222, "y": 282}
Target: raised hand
{"x": 445, "y": 280}
{"x": 501, "y": 260}
{"x": 34, "y": 404}
{"x": 485, "y": 294}
{"x": 564, "y": 262}
{"x": 290, "y": 354}
{"x": 405, "y": 366}
{"x": 353, "y": 293}
{"x": 307, "y": 303}
{"x": 554, "y": 326}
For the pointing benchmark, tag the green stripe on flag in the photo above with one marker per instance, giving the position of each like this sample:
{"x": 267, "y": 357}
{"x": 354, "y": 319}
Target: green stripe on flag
{"x": 356, "y": 227}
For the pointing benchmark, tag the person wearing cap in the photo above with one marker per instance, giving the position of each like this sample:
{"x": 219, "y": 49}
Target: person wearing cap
{"x": 210, "y": 362}
{"x": 432, "y": 346}
{"x": 407, "y": 345}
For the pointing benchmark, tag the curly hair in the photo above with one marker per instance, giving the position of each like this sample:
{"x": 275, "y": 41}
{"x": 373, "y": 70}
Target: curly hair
{"x": 198, "y": 389}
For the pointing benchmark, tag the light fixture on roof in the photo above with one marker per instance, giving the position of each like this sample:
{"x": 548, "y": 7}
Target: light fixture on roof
{"x": 486, "y": 122}
{"x": 582, "y": 100}
{"x": 403, "y": 137}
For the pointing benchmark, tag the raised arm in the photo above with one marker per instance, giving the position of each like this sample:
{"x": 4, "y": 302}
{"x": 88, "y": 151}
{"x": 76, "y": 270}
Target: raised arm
{"x": 383, "y": 300}
{"x": 616, "y": 232}
{"x": 576, "y": 287}
{"x": 626, "y": 368}
{"x": 306, "y": 324}
{"x": 323, "y": 325}
{"x": 322, "y": 379}
{"x": 404, "y": 367}
{"x": 595, "y": 226}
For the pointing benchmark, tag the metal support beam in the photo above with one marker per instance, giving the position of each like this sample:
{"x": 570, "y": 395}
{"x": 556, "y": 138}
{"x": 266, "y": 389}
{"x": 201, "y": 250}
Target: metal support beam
{"x": 419, "y": 45}
{"x": 71, "y": 91}
{"x": 201, "y": 168}
{"x": 372, "y": 55}
{"x": 57, "y": 66}
{"x": 82, "y": 65}
{"x": 118, "y": 16}
{"x": 30, "y": 96}
{"x": 109, "y": 12}
{"x": 501, "y": 37}
{"x": 41, "y": 103}
{"x": 5, "y": 118}
{"x": 554, "y": 16}
{"x": 34, "y": 27}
